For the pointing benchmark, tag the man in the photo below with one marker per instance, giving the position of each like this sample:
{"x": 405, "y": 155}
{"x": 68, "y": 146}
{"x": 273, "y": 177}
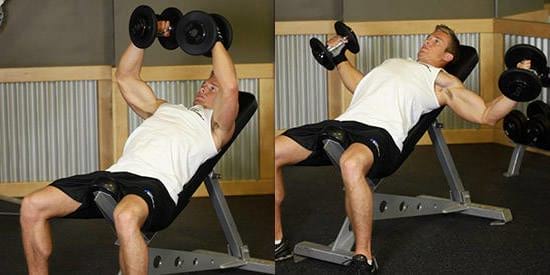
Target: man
{"x": 386, "y": 104}
{"x": 159, "y": 157}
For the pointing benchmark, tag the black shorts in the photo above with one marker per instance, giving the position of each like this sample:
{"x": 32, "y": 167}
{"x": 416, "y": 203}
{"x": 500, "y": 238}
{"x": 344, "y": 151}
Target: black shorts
{"x": 80, "y": 188}
{"x": 386, "y": 153}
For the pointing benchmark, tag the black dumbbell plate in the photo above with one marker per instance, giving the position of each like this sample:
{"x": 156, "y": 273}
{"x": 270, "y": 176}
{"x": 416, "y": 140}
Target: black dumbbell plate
{"x": 196, "y": 32}
{"x": 143, "y": 26}
{"x": 173, "y": 15}
{"x": 519, "y": 85}
{"x": 520, "y": 52}
{"x": 321, "y": 53}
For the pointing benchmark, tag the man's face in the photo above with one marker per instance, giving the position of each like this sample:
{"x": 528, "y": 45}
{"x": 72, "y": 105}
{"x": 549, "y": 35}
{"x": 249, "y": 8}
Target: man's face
{"x": 433, "y": 50}
{"x": 207, "y": 92}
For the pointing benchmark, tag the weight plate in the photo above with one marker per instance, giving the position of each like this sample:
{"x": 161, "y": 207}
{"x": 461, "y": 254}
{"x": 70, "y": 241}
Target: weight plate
{"x": 538, "y": 107}
{"x": 226, "y": 30}
{"x": 343, "y": 30}
{"x": 143, "y": 26}
{"x": 519, "y": 85}
{"x": 173, "y": 15}
{"x": 515, "y": 126}
{"x": 321, "y": 53}
{"x": 196, "y": 33}
{"x": 520, "y": 52}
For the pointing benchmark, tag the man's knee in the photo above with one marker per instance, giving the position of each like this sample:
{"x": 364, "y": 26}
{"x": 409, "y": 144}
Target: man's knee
{"x": 280, "y": 155}
{"x": 354, "y": 165}
{"x": 129, "y": 217}
{"x": 33, "y": 208}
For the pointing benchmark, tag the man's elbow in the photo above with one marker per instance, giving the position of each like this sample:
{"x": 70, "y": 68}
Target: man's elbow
{"x": 122, "y": 77}
{"x": 489, "y": 121}
{"x": 231, "y": 89}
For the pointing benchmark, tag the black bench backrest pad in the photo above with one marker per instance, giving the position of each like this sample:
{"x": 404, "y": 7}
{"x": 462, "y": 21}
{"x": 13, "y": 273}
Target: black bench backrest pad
{"x": 247, "y": 107}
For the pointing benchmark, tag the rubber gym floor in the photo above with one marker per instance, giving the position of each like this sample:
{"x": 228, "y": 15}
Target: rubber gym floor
{"x": 313, "y": 211}
{"x": 87, "y": 246}
{"x": 442, "y": 244}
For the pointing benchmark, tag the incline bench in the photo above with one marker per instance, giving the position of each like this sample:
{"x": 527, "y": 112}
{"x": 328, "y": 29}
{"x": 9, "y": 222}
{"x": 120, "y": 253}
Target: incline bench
{"x": 166, "y": 261}
{"x": 389, "y": 206}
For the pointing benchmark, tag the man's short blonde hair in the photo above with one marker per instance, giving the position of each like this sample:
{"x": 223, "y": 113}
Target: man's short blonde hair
{"x": 454, "y": 44}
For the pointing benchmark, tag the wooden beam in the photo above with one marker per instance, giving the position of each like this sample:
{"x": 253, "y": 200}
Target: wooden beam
{"x": 420, "y": 26}
{"x": 491, "y": 48}
{"x": 537, "y": 29}
{"x": 120, "y": 121}
{"x": 199, "y": 72}
{"x": 55, "y": 74}
{"x": 304, "y": 27}
{"x": 20, "y": 189}
{"x": 105, "y": 123}
{"x": 384, "y": 27}
{"x": 334, "y": 94}
{"x": 537, "y": 16}
{"x": 267, "y": 128}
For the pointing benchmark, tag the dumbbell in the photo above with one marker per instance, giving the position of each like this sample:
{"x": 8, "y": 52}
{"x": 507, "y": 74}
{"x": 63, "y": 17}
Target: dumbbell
{"x": 515, "y": 127}
{"x": 520, "y": 84}
{"x": 143, "y": 27}
{"x": 538, "y": 125}
{"x": 198, "y": 31}
{"x": 328, "y": 56}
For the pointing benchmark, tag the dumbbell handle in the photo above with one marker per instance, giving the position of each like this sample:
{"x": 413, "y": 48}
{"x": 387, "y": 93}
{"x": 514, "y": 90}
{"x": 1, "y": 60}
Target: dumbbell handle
{"x": 336, "y": 49}
{"x": 169, "y": 30}
{"x": 140, "y": 27}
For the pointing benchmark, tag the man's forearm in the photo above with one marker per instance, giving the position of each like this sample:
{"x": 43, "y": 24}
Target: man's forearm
{"x": 223, "y": 67}
{"x": 350, "y": 75}
{"x": 498, "y": 109}
{"x": 130, "y": 62}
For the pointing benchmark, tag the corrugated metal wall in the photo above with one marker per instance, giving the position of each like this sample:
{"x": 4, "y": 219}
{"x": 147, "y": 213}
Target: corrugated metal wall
{"x": 300, "y": 83}
{"x": 377, "y": 48}
{"x": 241, "y": 160}
{"x": 541, "y": 43}
{"x": 48, "y": 130}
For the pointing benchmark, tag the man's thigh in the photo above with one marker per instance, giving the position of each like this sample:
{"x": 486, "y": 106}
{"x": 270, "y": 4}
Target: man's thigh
{"x": 161, "y": 209}
{"x": 80, "y": 188}
{"x": 51, "y": 202}
{"x": 288, "y": 151}
{"x": 307, "y": 137}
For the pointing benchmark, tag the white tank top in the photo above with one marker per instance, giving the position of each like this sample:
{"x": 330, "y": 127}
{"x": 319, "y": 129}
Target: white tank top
{"x": 169, "y": 146}
{"x": 393, "y": 96}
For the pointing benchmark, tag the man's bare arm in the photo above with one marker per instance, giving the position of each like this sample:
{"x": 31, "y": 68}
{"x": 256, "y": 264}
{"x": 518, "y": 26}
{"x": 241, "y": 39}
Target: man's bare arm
{"x": 226, "y": 104}
{"x": 350, "y": 75}
{"x": 135, "y": 91}
{"x": 467, "y": 104}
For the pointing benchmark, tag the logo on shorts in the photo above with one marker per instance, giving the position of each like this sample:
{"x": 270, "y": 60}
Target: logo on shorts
{"x": 150, "y": 196}
{"x": 373, "y": 141}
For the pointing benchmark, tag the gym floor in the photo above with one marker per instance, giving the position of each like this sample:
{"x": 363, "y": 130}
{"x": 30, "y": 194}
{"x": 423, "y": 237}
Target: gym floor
{"x": 440, "y": 244}
{"x": 87, "y": 246}
{"x": 313, "y": 211}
